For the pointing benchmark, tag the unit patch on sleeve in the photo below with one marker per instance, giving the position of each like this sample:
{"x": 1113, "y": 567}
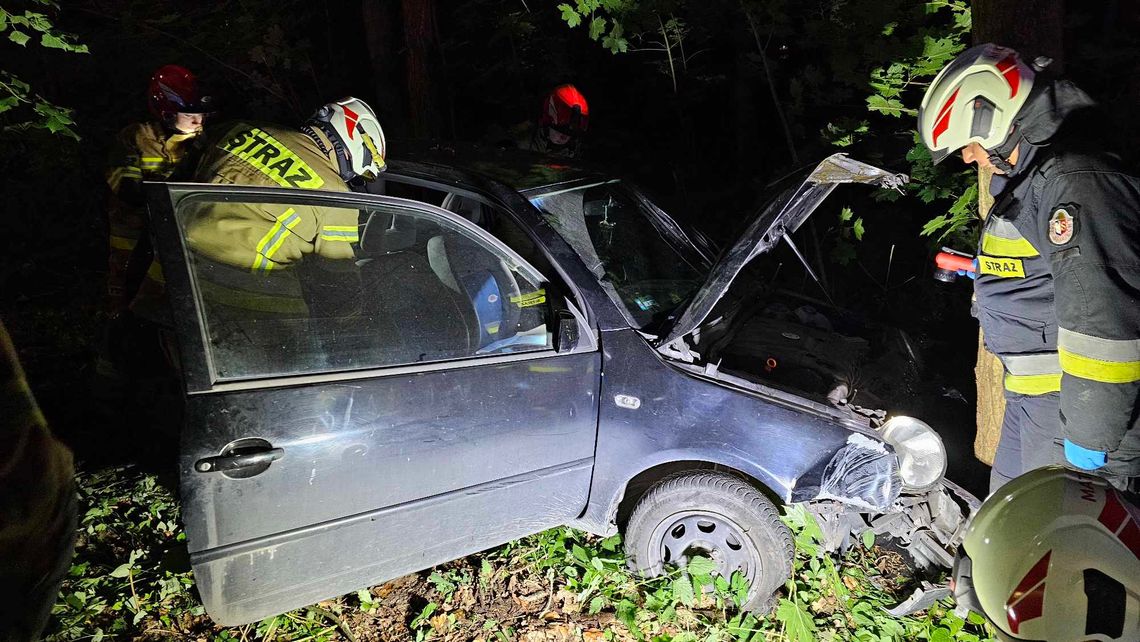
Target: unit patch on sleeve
{"x": 1061, "y": 226}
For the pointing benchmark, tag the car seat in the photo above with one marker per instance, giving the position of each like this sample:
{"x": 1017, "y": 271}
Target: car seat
{"x": 483, "y": 279}
{"x": 418, "y": 316}
{"x": 470, "y": 209}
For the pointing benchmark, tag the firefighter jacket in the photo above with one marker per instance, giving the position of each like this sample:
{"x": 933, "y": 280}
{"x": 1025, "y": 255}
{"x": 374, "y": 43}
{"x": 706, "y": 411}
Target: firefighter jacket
{"x": 266, "y": 236}
{"x": 141, "y": 152}
{"x": 1066, "y": 232}
{"x": 1014, "y": 290}
{"x": 245, "y": 250}
{"x": 37, "y": 505}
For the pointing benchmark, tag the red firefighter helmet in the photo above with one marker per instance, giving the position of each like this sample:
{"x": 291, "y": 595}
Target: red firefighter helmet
{"x": 565, "y": 111}
{"x": 175, "y": 89}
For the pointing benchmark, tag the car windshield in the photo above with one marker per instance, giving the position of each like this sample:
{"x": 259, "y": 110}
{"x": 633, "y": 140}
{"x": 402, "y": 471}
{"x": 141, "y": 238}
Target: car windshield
{"x": 639, "y": 255}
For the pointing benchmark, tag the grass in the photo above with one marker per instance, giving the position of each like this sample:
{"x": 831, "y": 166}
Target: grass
{"x": 130, "y": 581}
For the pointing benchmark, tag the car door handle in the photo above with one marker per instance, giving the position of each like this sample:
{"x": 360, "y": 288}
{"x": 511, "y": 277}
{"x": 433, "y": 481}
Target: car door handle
{"x": 229, "y": 463}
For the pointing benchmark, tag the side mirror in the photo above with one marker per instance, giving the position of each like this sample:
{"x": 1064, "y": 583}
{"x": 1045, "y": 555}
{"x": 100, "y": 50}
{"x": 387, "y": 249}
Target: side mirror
{"x": 565, "y": 331}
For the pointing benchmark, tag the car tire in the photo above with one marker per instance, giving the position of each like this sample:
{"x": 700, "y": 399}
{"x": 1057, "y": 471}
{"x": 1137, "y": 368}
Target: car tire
{"x": 720, "y": 516}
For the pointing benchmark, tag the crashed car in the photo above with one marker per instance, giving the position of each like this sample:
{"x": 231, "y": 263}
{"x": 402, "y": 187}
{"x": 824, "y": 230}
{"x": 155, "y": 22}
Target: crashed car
{"x": 512, "y": 351}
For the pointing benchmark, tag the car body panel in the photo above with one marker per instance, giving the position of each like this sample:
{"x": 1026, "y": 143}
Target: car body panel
{"x": 683, "y": 417}
{"x": 380, "y": 471}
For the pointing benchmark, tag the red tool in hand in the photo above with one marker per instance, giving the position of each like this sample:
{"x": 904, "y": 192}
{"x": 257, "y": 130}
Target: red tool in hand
{"x": 950, "y": 264}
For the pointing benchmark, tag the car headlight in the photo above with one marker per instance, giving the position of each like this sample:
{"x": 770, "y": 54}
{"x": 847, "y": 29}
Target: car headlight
{"x": 922, "y": 457}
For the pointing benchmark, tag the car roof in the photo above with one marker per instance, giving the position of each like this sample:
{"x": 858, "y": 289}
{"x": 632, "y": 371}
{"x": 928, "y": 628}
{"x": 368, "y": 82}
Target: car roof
{"x": 519, "y": 169}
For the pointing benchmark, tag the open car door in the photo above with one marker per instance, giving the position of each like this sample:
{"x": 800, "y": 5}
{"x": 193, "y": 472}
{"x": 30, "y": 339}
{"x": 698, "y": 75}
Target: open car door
{"x": 351, "y": 421}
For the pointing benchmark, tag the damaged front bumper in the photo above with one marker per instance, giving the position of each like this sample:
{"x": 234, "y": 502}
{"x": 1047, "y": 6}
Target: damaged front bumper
{"x": 860, "y": 490}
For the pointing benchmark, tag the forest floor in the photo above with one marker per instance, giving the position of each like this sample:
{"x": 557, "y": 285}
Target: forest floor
{"x": 130, "y": 580}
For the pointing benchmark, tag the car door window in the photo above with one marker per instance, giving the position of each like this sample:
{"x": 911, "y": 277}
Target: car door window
{"x": 414, "y": 286}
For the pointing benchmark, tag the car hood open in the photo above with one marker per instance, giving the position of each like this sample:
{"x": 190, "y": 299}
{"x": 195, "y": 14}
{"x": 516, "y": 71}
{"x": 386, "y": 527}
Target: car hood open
{"x": 780, "y": 217}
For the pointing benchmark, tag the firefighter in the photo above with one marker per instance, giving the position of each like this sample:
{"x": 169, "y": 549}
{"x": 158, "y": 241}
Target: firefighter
{"x": 1058, "y": 265}
{"x": 149, "y": 151}
{"x": 136, "y": 354}
{"x": 37, "y": 507}
{"x": 563, "y": 122}
{"x": 1055, "y": 557}
{"x": 248, "y": 254}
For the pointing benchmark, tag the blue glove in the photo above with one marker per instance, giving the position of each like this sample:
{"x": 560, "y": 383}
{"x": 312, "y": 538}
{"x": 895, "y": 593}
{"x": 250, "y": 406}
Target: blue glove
{"x": 1084, "y": 458}
{"x": 973, "y": 275}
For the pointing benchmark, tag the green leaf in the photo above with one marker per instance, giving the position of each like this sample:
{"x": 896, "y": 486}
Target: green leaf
{"x": 868, "y": 539}
{"x": 845, "y": 214}
{"x": 122, "y": 570}
{"x": 888, "y": 106}
{"x": 857, "y": 228}
{"x": 19, "y": 38}
{"x": 571, "y": 16}
{"x": 53, "y": 41}
{"x": 798, "y": 623}
{"x": 700, "y": 565}
{"x": 627, "y": 615}
{"x": 597, "y": 604}
{"x": 424, "y": 615}
{"x": 615, "y": 45}
{"x": 941, "y": 635}
{"x": 597, "y": 28}
{"x": 580, "y": 554}
{"x": 683, "y": 590}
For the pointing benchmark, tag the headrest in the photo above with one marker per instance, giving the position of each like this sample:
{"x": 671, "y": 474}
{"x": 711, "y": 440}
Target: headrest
{"x": 386, "y": 232}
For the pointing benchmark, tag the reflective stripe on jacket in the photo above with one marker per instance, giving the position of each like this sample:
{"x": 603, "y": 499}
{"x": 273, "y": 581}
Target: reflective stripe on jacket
{"x": 1014, "y": 290}
{"x": 268, "y": 236}
{"x": 141, "y": 152}
{"x": 1088, "y": 222}
{"x": 242, "y": 251}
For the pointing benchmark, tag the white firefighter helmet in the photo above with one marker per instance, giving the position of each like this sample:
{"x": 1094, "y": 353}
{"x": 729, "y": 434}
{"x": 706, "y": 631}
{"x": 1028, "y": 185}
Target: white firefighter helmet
{"x": 356, "y": 136}
{"x": 975, "y": 98}
{"x": 1055, "y": 555}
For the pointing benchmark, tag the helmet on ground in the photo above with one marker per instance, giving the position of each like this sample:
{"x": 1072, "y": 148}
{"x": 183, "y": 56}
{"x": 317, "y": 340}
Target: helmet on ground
{"x": 566, "y": 113}
{"x": 174, "y": 89}
{"x": 1054, "y": 555}
{"x": 356, "y": 136}
{"x": 975, "y": 98}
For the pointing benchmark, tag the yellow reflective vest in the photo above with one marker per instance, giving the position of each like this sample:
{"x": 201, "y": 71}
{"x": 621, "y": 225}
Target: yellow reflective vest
{"x": 141, "y": 152}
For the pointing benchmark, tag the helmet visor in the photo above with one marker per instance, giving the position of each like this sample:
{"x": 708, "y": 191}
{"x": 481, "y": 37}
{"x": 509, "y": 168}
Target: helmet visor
{"x": 940, "y": 155}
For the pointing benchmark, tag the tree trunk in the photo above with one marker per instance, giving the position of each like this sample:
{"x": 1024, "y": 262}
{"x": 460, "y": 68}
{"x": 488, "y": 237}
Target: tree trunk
{"x": 421, "y": 43}
{"x": 989, "y": 372}
{"x": 382, "y": 32}
{"x": 1034, "y": 28}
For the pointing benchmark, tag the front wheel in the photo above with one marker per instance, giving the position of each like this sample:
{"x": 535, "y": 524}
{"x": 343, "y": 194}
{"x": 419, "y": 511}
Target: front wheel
{"x": 714, "y": 515}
